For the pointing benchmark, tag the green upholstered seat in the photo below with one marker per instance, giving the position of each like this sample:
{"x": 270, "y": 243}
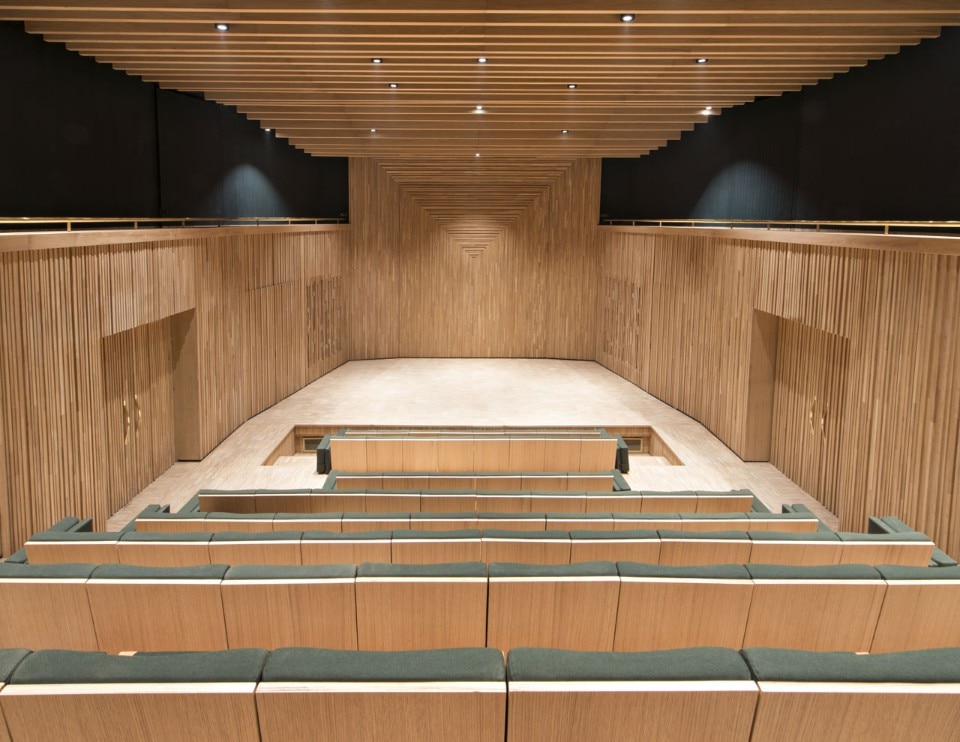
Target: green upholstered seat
{"x": 579, "y": 569}
{"x": 190, "y": 506}
{"x": 240, "y": 516}
{"x": 376, "y": 516}
{"x": 773, "y": 516}
{"x": 896, "y": 572}
{"x": 715, "y": 516}
{"x": 827, "y": 572}
{"x": 511, "y": 516}
{"x": 301, "y": 491}
{"x": 459, "y": 533}
{"x": 132, "y": 572}
{"x": 64, "y": 524}
{"x": 451, "y": 569}
{"x": 579, "y": 516}
{"x": 627, "y": 535}
{"x": 55, "y": 666}
{"x": 793, "y": 536}
{"x": 797, "y": 666}
{"x": 172, "y": 538}
{"x": 330, "y": 665}
{"x": 291, "y": 572}
{"x": 47, "y": 571}
{"x": 307, "y": 516}
{"x": 703, "y": 572}
{"x": 222, "y": 536}
{"x": 164, "y": 515}
{"x": 701, "y": 663}
{"x": 464, "y": 515}
{"x": 731, "y": 493}
{"x": 646, "y": 516}
{"x": 17, "y": 557}
{"x": 669, "y": 533}
{"x": 9, "y": 660}
{"x": 502, "y": 533}
{"x": 62, "y": 536}
{"x": 354, "y": 536}
{"x": 883, "y": 537}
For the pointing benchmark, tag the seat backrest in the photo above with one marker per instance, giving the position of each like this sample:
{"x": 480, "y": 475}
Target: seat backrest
{"x": 920, "y": 609}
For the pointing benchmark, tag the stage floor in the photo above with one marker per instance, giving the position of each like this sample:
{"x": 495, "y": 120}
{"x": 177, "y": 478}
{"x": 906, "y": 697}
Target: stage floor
{"x": 465, "y": 392}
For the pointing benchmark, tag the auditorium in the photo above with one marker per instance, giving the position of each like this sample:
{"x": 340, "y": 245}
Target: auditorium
{"x": 480, "y": 370}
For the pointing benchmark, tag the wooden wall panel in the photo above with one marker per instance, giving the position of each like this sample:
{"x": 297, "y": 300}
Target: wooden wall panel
{"x": 86, "y": 354}
{"x": 868, "y": 325}
{"x": 500, "y": 264}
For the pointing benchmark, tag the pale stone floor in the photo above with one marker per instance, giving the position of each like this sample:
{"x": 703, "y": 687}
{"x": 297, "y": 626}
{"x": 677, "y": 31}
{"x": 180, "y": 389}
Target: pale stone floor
{"x": 464, "y": 392}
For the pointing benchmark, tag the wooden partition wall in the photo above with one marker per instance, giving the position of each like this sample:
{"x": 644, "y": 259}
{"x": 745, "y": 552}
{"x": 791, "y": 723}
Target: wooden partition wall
{"x": 121, "y": 352}
{"x": 866, "y": 376}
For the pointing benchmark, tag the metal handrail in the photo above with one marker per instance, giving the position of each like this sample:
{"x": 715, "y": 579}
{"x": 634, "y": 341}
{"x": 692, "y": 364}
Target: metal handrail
{"x": 71, "y": 222}
{"x": 887, "y": 227}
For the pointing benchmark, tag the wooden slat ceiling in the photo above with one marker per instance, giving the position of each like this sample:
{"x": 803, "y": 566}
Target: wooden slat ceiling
{"x": 303, "y": 67}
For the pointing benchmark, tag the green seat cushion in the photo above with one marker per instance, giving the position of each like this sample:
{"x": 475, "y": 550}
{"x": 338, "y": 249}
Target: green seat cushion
{"x": 793, "y": 536}
{"x": 882, "y": 537}
{"x": 345, "y": 666}
{"x": 715, "y": 516}
{"x": 9, "y": 659}
{"x": 920, "y": 666}
{"x": 226, "y": 492}
{"x": 103, "y": 536}
{"x": 173, "y": 538}
{"x": 704, "y": 572}
{"x": 302, "y": 491}
{"x": 308, "y": 516}
{"x": 672, "y": 534}
{"x": 660, "y": 493}
{"x": 240, "y": 516}
{"x": 578, "y": 569}
{"x": 285, "y": 572}
{"x": 451, "y": 569}
{"x": 895, "y": 525}
{"x": 464, "y": 515}
{"x": 512, "y": 516}
{"x": 162, "y": 515}
{"x": 257, "y": 536}
{"x": 47, "y": 571}
{"x": 701, "y": 663}
{"x": 646, "y": 516}
{"x": 580, "y": 516}
{"x": 827, "y": 572}
{"x": 57, "y": 666}
{"x": 731, "y": 493}
{"x": 778, "y": 516}
{"x": 337, "y": 536}
{"x": 64, "y": 525}
{"x": 896, "y": 572}
{"x": 459, "y": 533}
{"x": 132, "y": 572}
{"x": 376, "y": 516}
{"x": 509, "y": 534}
{"x": 632, "y": 534}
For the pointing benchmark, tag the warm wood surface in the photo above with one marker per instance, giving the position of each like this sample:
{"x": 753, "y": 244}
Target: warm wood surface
{"x": 46, "y": 614}
{"x": 918, "y": 615}
{"x": 866, "y": 386}
{"x": 305, "y": 70}
{"x": 293, "y": 711}
{"x": 43, "y": 713}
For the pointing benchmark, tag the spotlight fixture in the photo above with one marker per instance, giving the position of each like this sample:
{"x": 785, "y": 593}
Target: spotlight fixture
{"x": 222, "y": 26}
{"x": 478, "y": 109}
{"x": 702, "y": 60}
{"x": 572, "y": 86}
{"x": 393, "y": 85}
{"x": 627, "y": 17}
{"x": 707, "y": 111}
{"x": 376, "y": 60}
{"x": 481, "y": 60}
{"x": 564, "y": 131}
{"x": 373, "y": 131}
{"x": 268, "y": 130}
{"x": 477, "y": 154}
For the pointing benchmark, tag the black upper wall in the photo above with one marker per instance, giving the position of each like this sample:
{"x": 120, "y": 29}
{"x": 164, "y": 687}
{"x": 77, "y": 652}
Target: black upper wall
{"x": 81, "y": 139}
{"x": 879, "y": 142}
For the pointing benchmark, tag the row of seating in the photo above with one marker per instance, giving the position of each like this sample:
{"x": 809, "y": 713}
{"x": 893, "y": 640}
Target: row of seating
{"x": 459, "y": 453}
{"x": 158, "y": 519}
{"x": 556, "y": 481}
{"x": 757, "y": 695}
{"x": 589, "y": 606}
{"x": 405, "y": 546}
{"x": 461, "y": 500}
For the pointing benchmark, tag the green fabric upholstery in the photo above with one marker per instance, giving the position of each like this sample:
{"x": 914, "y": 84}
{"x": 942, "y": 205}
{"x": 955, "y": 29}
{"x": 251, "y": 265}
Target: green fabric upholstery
{"x": 376, "y": 516}
{"x": 920, "y": 666}
{"x": 706, "y": 572}
{"x": 882, "y": 537}
{"x": 827, "y": 572}
{"x": 103, "y": 536}
{"x": 161, "y": 515}
{"x": 636, "y": 533}
{"x": 701, "y": 663}
{"x": 896, "y": 572}
{"x": 17, "y": 557}
{"x": 256, "y": 536}
{"x": 579, "y": 569}
{"x": 190, "y": 506}
{"x": 667, "y": 534}
{"x": 790, "y": 536}
{"x": 512, "y": 516}
{"x": 659, "y": 493}
{"x": 775, "y": 516}
{"x": 465, "y": 515}
{"x": 464, "y": 533}
{"x": 56, "y": 666}
{"x": 345, "y": 666}
{"x": 580, "y": 516}
{"x": 65, "y": 524}
{"x": 285, "y": 572}
{"x": 307, "y": 516}
{"x": 507, "y": 533}
{"x": 226, "y": 492}
{"x": 451, "y": 569}
{"x": 132, "y": 572}
{"x": 240, "y": 516}
{"x": 646, "y": 516}
{"x": 731, "y": 493}
{"x": 337, "y": 536}
{"x": 715, "y": 516}
{"x": 9, "y": 660}
{"x": 148, "y": 536}
{"x": 47, "y": 571}
{"x": 895, "y": 525}
{"x": 304, "y": 491}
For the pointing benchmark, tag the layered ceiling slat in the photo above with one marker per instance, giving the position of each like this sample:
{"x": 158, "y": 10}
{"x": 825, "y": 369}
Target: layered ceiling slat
{"x": 306, "y": 71}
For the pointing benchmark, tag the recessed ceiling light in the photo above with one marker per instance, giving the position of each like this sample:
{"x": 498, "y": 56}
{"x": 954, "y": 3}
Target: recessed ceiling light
{"x": 627, "y": 17}
{"x": 377, "y": 60}
{"x": 477, "y": 154}
{"x": 478, "y": 109}
{"x": 572, "y": 86}
{"x": 268, "y": 130}
{"x": 702, "y": 60}
{"x": 481, "y": 60}
{"x": 222, "y": 26}
{"x": 707, "y": 111}
{"x": 564, "y": 131}
{"x": 373, "y": 131}
{"x": 393, "y": 85}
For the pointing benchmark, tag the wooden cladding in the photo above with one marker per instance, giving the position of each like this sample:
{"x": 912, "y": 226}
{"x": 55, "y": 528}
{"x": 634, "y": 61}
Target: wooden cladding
{"x": 420, "y": 287}
{"x": 99, "y": 341}
{"x": 867, "y": 373}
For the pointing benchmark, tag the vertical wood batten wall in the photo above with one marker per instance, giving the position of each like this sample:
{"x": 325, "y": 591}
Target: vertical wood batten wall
{"x": 867, "y": 380}
{"x": 514, "y": 274}
{"x": 88, "y": 350}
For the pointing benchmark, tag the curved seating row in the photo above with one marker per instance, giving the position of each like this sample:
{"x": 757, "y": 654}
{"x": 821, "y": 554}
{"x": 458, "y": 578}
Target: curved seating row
{"x": 589, "y": 606}
{"x": 157, "y": 519}
{"x": 405, "y": 546}
{"x": 550, "y": 481}
{"x": 757, "y": 695}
